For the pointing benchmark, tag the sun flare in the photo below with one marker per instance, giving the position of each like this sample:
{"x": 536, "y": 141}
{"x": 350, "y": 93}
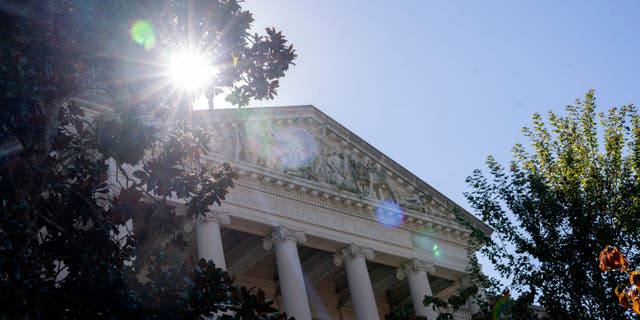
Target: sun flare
{"x": 190, "y": 71}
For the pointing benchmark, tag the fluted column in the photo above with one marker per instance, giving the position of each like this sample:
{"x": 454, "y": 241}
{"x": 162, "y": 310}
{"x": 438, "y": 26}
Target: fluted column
{"x": 209, "y": 238}
{"x": 291, "y": 280}
{"x": 364, "y": 302}
{"x": 416, "y": 273}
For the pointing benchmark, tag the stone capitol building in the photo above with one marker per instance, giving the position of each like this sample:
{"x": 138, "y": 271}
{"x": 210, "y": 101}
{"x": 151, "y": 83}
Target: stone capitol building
{"x": 326, "y": 224}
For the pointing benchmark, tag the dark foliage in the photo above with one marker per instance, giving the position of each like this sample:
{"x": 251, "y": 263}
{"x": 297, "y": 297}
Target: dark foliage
{"x": 400, "y": 313}
{"x": 87, "y": 228}
{"x": 453, "y": 303}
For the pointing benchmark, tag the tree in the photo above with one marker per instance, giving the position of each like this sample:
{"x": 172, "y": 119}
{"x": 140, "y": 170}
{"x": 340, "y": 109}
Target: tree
{"x": 86, "y": 226}
{"x": 574, "y": 190}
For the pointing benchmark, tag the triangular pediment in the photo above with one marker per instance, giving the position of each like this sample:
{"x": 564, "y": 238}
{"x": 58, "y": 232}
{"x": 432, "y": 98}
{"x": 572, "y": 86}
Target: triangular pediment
{"x": 302, "y": 149}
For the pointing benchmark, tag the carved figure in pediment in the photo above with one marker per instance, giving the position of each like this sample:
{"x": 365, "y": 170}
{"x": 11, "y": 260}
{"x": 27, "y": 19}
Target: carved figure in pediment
{"x": 319, "y": 167}
{"x": 386, "y": 194}
{"x": 361, "y": 169}
{"x": 411, "y": 201}
{"x": 428, "y": 205}
{"x": 335, "y": 170}
{"x": 348, "y": 172}
{"x": 381, "y": 185}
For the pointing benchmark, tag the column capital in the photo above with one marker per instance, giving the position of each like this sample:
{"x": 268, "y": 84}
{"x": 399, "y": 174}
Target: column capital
{"x": 220, "y": 217}
{"x": 413, "y": 266}
{"x": 282, "y": 233}
{"x": 352, "y": 250}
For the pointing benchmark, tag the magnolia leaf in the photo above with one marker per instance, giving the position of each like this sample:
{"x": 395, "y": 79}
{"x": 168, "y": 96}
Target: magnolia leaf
{"x": 140, "y": 175}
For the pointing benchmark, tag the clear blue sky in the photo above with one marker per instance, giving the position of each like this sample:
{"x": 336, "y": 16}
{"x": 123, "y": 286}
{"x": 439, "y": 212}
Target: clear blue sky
{"x": 438, "y": 86}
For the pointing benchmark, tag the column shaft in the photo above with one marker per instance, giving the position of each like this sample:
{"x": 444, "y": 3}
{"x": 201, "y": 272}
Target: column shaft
{"x": 360, "y": 290}
{"x": 416, "y": 273}
{"x": 210, "y": 243}
{"x": 294, "y": 294}
{"x": 364, "y": 302}
{"x": 419, "y": 287}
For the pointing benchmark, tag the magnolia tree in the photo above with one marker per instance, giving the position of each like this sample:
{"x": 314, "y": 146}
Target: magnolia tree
{"x": 87, "y": 228}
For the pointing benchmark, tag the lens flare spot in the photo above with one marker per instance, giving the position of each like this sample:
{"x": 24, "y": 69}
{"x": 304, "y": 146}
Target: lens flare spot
{"x": 296, "y": 148}
{"x": 143, "y": 34}
{"x": 389, "y": 214}
{"x": 436, "y": 251}
{"x": 258, "y": 142}
{"x": 289, "y": 149}
{"x": 501, "y": 308}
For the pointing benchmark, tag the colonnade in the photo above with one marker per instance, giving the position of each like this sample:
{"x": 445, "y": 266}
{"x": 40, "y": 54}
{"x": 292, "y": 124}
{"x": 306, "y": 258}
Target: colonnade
{"x": 291, "y": 279}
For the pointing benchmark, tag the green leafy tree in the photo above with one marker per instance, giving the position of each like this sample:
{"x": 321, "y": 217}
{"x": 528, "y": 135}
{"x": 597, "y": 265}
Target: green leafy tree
{"x": 86, "y": 226}
{"x": 572, "y": 191}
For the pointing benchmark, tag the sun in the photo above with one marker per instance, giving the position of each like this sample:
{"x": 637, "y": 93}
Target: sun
{"x": 190, "y": 71}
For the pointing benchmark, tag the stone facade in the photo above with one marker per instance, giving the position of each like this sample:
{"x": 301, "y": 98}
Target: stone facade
{"x": 328, "y": 225}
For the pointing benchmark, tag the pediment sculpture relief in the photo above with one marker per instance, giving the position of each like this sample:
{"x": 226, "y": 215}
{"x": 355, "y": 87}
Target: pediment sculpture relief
{"x": 305, "y": 151}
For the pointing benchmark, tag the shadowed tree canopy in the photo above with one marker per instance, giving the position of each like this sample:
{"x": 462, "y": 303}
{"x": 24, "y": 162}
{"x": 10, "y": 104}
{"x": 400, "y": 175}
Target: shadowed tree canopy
{"x": 573, "y": 189}
{"x": 87, "y": 224}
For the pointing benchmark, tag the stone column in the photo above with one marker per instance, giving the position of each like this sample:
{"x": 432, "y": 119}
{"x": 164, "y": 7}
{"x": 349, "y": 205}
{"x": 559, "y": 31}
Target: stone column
{"x": 209, "y": 239}
{"x": 472, "y": 303}
{"x": 294, "y": 294}
{"x": 364, "y": 302}
{"x": 416, "y": 273}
